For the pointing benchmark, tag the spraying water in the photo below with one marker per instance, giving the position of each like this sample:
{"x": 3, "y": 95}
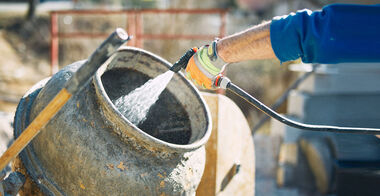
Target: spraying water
{"x": 135, "y": 106}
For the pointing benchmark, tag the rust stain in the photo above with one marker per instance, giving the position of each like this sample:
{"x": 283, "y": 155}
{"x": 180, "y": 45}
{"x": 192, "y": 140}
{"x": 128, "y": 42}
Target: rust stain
{"x": 162, "y": 184}
{"x": 143, "y": 174}
{"x": 162, "y": 194}
{"x": 110, "y": 166}
{"x": 160, "y": 175}
{"x": 92, "y": 124}
{"x": 121, "y": 166}
{"x": 82, "y": 186}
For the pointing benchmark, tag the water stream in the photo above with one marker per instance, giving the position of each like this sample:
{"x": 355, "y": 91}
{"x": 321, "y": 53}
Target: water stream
{"x": 135, "y": 105}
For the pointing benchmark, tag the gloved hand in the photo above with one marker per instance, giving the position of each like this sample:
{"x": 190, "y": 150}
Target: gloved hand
{"x": 204, "y": 66}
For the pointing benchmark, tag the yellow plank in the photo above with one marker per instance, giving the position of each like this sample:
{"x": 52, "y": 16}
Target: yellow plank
{"x": 34, "y": 127}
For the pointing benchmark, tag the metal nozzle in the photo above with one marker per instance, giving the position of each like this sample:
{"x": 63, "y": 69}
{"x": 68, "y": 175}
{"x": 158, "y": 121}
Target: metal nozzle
{"x": 182, "y": 62}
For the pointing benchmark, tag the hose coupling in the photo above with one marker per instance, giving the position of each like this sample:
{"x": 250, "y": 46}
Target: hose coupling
{"x": 221, "y": 81}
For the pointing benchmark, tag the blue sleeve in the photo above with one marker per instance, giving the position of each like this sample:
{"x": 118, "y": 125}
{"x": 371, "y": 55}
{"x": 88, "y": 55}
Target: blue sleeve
{"x": 338, "y": 33}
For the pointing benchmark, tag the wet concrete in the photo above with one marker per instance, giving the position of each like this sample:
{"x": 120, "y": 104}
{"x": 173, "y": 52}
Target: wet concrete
{"x": 167, "y": 119}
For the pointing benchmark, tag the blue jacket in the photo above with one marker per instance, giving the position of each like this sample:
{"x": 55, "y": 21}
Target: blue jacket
{"x": 338, "y": 33}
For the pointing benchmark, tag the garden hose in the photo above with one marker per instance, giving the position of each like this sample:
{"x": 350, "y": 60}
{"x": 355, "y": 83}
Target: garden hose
{"x": 225, "y": 83}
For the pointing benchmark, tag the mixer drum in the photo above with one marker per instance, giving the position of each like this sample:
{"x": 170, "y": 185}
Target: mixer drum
{"x": 90, "y": 148}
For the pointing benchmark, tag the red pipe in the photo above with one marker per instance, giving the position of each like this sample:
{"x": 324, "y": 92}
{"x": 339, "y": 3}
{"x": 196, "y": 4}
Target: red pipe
{"x": 134, "y": 25}
{"x": 54, "y": 45}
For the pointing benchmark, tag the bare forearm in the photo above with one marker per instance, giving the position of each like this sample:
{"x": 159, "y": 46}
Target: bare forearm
{"x": 251, "y": 44}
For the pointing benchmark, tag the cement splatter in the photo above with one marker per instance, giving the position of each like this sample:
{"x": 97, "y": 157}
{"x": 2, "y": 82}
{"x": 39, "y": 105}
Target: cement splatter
{"x": 135, "y": 106}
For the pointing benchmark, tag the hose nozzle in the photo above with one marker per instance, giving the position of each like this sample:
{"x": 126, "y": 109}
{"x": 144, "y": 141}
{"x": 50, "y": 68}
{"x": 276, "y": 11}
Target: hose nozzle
{"x": 182, "y": 62}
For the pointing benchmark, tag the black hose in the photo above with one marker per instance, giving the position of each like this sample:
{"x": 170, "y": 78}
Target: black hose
{"x": 238, "y": 91}
{"x": 283, "y": 97}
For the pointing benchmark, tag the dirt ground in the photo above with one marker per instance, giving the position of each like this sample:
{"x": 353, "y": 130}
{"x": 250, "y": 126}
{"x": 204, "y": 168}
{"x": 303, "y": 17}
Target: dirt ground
{"x": 23, "y": 58}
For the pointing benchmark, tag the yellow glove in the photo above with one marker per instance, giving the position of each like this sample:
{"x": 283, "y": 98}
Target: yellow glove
{"x": 204, "y": 66}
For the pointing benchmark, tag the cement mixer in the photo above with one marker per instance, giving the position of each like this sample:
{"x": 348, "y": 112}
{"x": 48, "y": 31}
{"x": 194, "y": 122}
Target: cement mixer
{"x": 90, "y": 148}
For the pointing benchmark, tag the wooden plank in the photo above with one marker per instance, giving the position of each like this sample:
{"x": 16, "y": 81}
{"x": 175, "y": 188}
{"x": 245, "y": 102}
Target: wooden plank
{"x": 34, "y": 127}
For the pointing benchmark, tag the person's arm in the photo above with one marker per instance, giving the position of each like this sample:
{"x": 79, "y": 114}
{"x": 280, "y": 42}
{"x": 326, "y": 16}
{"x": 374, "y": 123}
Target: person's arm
{"x": 338, "y": 33}
{"x": 251, "y": 44}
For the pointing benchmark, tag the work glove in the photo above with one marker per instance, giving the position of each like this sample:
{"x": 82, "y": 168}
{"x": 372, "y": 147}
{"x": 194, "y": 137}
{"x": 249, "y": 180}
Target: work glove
{"x": 204, "y": 66}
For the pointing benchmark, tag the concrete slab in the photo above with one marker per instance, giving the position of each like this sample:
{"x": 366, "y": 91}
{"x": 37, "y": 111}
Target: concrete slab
{"x": 351, "y": 78}
{"x": 360, "y": 110}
